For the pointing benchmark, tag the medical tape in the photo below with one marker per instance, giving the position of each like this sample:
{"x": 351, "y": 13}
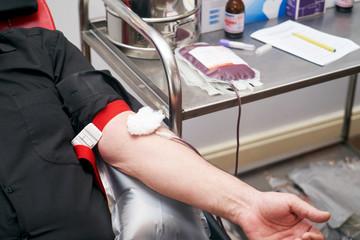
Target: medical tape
{"x": 91, "y": 134}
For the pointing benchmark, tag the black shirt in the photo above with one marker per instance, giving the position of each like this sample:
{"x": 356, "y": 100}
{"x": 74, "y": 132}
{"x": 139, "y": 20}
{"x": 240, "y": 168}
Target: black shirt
{"x": 48, "y": 93}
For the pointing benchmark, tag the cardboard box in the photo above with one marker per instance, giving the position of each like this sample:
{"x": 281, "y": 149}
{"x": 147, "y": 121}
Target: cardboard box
{"x": 213, "y": 11}
{"x": 304, "y": 8}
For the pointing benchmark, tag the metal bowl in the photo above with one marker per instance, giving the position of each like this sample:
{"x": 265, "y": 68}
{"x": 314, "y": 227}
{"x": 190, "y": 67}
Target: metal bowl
{"x": 176, "y": 27}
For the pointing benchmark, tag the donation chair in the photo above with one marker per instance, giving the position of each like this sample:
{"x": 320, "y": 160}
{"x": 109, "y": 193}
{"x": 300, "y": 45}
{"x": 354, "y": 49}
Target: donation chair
{"x": 26, "y": 19}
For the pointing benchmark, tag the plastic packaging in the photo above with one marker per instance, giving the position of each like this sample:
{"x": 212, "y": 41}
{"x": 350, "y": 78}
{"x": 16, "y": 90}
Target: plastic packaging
{"x": 288, "y": 186}
{"x": 139, "y": 213}
{"x": 334, "y": 187}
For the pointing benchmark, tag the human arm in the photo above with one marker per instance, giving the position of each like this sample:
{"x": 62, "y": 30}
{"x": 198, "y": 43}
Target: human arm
{"x": 174, "y": 170}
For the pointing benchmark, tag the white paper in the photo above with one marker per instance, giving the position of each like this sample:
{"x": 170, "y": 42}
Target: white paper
{"x": 281, "y": 36}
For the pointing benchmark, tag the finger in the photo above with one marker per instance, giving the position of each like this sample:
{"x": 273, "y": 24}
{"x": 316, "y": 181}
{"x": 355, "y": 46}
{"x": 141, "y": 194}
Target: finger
{"x": 316, "y": 235}
{"x": 304, "y": 210}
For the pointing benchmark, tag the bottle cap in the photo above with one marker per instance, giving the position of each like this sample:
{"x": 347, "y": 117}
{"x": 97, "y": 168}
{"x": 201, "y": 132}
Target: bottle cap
{"x": 263, "y": 49}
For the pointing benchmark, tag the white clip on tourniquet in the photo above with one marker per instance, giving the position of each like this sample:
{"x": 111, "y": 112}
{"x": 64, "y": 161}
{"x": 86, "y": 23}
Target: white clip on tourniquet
{"x": 89, "y": 136}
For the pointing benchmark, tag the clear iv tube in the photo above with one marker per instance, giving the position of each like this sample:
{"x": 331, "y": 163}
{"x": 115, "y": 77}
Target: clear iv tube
{"x": 237, "y": 129}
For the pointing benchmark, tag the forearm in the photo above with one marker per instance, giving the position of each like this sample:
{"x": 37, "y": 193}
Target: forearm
{"x": 174, "y": 170}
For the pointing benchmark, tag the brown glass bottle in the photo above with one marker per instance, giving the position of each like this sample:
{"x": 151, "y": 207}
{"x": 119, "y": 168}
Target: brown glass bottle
{"x": 234, "y": 18}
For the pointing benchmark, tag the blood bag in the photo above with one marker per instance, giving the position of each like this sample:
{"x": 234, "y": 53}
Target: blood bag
{"x": 216, "y": 64}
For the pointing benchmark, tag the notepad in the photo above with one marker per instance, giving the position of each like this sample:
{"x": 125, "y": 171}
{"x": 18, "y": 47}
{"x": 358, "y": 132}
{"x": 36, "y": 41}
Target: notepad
{"x": 282, "y": 36}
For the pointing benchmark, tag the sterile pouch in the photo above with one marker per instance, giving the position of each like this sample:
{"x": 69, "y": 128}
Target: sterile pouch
{"x": 139, "y": 213}
{"x": 213, "y": 68}
{"x": 332, "y": 187}
{"x": 288, "y": 186}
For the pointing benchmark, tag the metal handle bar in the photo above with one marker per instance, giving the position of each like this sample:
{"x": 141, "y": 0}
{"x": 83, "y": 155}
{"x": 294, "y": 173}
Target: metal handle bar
{"x": 165, "y": 52}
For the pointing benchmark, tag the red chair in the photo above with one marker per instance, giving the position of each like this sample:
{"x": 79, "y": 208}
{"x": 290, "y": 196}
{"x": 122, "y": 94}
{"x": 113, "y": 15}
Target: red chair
{"x": 42, "y": 18}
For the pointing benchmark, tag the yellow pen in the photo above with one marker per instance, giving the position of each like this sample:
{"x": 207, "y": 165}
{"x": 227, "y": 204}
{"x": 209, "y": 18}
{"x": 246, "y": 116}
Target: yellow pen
{"x": 315, "y": 42}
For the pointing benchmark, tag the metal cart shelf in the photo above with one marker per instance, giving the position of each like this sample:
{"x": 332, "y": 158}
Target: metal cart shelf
{"x": 157, "y": 82}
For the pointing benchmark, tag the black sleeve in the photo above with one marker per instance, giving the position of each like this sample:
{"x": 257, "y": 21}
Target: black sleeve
{"x": 84, "y": 91}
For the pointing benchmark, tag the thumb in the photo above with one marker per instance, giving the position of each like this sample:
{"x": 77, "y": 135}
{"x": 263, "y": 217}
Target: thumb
{"x": 304, "y": 210}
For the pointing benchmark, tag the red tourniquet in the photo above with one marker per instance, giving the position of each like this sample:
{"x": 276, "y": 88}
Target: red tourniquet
{"x": 100, "y": 121}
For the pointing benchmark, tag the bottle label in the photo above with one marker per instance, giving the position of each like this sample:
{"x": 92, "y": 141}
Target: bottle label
{"x": 345, "y": 3}
{"x": 234, "y": 23}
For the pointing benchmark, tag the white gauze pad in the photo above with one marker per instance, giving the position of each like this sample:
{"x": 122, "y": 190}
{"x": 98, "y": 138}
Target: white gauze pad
{"x": 145, "y": 121}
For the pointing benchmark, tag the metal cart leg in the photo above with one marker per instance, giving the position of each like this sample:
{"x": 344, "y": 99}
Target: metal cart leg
{"x": 348, "y": 107}
{"x": 84, "y": 21}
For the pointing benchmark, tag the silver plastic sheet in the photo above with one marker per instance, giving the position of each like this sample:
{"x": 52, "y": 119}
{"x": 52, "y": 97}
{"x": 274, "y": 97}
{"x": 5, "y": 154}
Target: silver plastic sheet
{"x": 139, "y": 213}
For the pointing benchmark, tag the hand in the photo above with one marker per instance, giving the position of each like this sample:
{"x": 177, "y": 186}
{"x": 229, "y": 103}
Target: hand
{"x": 282, "y": 216}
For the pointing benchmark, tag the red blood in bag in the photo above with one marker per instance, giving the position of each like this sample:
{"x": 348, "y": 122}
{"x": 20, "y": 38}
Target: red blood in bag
{"x": 222, "y": 73}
